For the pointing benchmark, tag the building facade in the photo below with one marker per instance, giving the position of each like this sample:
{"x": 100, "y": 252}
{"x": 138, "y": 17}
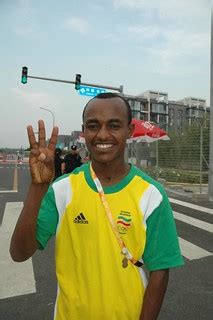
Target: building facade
{"x": 155, "y": 107}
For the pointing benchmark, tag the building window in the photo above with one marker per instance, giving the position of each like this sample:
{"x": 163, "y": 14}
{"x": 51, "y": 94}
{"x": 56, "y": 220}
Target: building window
{"x": 153, "y": 118}
{"x": 158, "y": 108}
{"x": 171, "y": 116}
{"x": 180, "y": 120}
{"x": 162, "y": 120}
{"x": 136, "y": 114}
{"x": 137, "y": 106}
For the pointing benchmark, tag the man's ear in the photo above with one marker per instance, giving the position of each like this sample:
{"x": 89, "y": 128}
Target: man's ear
{"x": 131, "y": 129}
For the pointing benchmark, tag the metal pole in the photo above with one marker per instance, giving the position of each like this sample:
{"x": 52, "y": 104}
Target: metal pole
{"x": 120, "y": 89}
{"x": 157, "y": 171}
{"x": 51, "y": 113}
{"x": 210, "y": 182}
{"x": 201, "y": 156}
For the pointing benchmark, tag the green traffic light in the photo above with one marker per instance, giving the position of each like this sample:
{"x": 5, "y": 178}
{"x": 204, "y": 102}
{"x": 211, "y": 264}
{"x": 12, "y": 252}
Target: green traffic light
{"x": 24, "y": 79}
{"x": 77, "y": 81}
{"x": 77, "y": 86}
{"x": 24, "y": 75}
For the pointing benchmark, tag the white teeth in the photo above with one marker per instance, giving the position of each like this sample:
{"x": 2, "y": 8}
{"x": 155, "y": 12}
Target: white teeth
{"x": 103, "y": 146}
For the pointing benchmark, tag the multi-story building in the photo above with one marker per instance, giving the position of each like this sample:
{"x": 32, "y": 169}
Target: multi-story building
{"x": 154, "y": 106}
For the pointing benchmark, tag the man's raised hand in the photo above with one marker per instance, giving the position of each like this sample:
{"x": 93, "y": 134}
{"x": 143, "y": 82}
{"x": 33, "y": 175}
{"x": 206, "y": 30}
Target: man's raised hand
{"x": 41, "y": 157}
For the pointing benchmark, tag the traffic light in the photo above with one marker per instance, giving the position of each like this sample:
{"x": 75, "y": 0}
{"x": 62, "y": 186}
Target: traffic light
{"x": 77, "y": 81}
{"x": 24, "y": 75}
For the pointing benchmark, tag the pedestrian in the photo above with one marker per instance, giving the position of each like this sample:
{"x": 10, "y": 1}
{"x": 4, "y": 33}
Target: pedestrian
{"x": 72, "y": 160}
{"x": 58, "y": 161}
{"x": 109, "y": 218}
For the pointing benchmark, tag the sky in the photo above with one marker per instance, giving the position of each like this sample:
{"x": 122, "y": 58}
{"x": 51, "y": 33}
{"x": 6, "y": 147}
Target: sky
{"x": 161, "y": 45}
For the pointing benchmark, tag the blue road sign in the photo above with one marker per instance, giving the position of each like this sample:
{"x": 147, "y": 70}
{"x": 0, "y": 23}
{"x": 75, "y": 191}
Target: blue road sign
{"x": 90, "y": 91}
{"x": 60, "y": 145}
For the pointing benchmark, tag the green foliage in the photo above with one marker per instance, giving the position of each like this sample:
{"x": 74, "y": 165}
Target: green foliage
{"x": 176, "y": 175}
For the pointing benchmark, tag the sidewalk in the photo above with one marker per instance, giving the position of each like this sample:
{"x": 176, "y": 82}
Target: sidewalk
{"x": 194, "y": 191}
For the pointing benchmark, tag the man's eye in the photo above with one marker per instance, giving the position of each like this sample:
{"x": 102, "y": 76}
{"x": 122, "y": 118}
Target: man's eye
{"x": 115, "y": 126}
{"x": 92, "y": 126}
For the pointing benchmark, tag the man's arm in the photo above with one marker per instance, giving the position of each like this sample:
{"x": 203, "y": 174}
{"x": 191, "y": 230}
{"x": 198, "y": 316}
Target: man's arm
{"x": 23, "y": 243}
{"x": 41, "y": 161}
{"x": 154, "y": 294}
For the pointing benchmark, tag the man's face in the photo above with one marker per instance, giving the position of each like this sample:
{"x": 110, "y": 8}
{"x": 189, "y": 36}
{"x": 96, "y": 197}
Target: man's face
{"x": 106, "y": 129}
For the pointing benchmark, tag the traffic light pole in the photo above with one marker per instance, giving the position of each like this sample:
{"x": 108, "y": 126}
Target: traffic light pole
{"x": 120, "y": 89}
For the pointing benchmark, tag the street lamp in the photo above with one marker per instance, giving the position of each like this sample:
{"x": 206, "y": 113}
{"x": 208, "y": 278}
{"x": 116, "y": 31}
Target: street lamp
{"x": 51, "y": 114}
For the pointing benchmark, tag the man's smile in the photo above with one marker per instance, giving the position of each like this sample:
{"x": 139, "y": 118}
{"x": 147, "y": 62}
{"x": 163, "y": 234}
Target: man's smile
{"x": 103, "y": 145}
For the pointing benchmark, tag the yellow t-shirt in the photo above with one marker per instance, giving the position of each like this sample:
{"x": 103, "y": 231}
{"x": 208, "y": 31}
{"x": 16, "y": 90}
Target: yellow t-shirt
{"x": 92, "y": 284}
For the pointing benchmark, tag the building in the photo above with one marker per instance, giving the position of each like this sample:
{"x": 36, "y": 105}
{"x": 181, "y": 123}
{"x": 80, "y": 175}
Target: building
{"x": 155, "y": 106}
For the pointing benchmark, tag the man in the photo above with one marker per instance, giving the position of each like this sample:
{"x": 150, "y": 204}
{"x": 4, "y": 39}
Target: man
{"x": 72, "y": 160}
{"x": 107, "y": 216}
{"x": 58, "y": 161}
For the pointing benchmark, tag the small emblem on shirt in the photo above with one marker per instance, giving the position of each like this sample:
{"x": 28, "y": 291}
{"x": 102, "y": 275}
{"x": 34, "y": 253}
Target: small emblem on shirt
{"x": 124, "y": 221}
{"x": 80, "y": 219}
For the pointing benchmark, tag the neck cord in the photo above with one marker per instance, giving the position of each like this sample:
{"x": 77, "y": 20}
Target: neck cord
{"x": 124, "y": 249}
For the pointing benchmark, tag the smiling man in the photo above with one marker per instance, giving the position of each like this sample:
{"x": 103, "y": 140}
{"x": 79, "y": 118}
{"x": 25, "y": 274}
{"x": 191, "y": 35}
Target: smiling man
{"x": 106, "y": 127}
{"x": 109, "y": 220}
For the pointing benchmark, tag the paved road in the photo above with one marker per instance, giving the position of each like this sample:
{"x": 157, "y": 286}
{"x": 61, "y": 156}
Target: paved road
{"x": 27, "y": 291}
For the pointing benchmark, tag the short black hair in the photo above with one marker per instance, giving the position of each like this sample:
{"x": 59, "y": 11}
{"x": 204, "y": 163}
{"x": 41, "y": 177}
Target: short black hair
{"x": 73, "y": 147}
{"x": 109, "y": 95}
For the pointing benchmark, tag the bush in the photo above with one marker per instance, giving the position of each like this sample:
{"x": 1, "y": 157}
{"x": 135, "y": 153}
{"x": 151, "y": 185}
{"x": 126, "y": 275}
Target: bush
{"x": 175, "y": 175}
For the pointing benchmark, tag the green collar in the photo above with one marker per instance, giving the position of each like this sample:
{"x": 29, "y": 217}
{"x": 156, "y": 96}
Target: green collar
{"x": 110, "y": 189}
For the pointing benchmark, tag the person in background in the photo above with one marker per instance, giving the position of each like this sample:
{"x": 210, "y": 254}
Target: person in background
{"x": 72, "y": 160}
{"x": 58, "y": 163}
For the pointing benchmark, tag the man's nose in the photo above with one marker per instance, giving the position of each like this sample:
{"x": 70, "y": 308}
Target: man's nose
{"x": 103, "y": 133}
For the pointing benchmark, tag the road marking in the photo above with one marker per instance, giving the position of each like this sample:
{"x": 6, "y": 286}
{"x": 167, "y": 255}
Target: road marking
{"x": 15, "y": 183}
{"x": 192, "y": 206}
{"x": 8, "y": 191}
{"x": 191, "y": 251}
{"x": 16, "y": 278}
{"x": 15, "y": 179}
{"x": 194, "y": 222}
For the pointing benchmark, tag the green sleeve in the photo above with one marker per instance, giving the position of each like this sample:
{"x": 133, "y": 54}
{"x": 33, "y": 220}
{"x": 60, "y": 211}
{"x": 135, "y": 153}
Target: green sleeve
{"x": 47, "y": 219}
{"x": 162, "y": 249}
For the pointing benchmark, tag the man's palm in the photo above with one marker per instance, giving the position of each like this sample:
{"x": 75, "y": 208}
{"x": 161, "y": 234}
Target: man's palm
{"x": 41, "y": 158}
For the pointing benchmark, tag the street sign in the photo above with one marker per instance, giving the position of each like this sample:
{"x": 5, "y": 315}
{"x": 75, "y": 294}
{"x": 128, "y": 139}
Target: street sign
{"x": 90, "y": 91}
{"x": 60, "y": 145}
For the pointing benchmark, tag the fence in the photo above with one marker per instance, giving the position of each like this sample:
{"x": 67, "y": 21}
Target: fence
{"x": 184, "y": 158}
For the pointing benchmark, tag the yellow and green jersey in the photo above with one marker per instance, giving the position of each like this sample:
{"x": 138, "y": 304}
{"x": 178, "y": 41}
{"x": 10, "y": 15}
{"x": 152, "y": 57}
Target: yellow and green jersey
{"x": 92, "y": 284}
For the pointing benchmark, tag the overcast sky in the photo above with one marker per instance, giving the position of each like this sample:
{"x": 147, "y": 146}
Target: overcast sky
{"x": 140, "y": 44}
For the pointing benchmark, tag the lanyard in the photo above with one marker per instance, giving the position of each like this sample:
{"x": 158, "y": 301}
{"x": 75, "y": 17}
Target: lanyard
{"x": 124, "y": 250}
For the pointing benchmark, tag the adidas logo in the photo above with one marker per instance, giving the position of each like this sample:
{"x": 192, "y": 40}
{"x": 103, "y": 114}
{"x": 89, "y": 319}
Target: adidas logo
{"x": 81, "y": 219}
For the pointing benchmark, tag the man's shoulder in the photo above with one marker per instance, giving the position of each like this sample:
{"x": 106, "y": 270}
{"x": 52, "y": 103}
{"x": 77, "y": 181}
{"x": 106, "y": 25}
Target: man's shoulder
{"x": 144, "y": 176}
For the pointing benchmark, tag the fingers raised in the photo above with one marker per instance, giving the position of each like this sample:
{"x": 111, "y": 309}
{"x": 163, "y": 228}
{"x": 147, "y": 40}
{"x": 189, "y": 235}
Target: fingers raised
{"x": 53, "y": 139}
{"x": 41, "y": 134}
{"x": 31, "y": 137}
